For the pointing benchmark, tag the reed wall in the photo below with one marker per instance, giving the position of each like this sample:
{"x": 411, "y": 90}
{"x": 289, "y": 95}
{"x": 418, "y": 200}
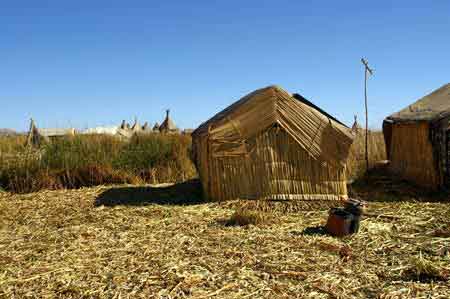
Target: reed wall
{"x": 275, "y": 167}
{"x": 411, "y": 154}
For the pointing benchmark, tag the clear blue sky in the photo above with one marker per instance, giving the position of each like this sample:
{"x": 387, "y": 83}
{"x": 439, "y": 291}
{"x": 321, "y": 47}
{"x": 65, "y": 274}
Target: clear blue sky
{"x": 89, "y": 63}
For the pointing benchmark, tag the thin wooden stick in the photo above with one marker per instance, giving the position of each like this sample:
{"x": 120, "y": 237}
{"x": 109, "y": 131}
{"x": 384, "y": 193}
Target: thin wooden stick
{"x": 367, "y": 70}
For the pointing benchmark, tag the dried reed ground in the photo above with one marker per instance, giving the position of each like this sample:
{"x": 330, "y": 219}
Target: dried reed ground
{"x": 104, "y": 243}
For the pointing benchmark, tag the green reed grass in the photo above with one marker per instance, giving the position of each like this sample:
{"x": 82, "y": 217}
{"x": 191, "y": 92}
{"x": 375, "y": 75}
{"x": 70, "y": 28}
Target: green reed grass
{"x": 87, "y": 160}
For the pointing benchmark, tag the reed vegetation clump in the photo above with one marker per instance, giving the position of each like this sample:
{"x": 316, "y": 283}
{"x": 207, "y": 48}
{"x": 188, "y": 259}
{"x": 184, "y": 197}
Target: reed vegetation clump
{"x": 89, "y": 160}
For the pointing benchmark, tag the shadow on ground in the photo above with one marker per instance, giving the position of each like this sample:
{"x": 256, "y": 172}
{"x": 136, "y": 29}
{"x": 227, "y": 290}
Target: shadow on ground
{"x": 314, "y": 230}
{"x": 186, "y": 193}
{"x": 379, "y": 185}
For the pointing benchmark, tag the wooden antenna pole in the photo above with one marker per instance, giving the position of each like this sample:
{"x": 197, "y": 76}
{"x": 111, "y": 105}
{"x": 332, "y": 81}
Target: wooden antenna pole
{"x": 367, "y": 71}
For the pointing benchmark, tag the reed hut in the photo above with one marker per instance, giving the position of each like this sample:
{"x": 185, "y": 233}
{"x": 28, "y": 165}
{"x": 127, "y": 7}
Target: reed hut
{"x": 36, "y": 137}
{"x": 418, "y": 140}
{"x": 136, "y": 128}
{"x": 156, "y": 128}
{"x": 124, "y": 125}
{"x": 272, "y": 145}
{"x": 168, "y": 125}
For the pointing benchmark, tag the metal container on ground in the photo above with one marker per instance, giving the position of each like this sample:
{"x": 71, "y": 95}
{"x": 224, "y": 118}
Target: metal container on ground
{"x": 339, "y": 222}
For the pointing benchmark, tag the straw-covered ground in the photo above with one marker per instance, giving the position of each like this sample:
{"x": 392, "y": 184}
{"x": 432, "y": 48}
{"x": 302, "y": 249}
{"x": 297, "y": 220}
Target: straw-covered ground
{"x": 148, "y": 242}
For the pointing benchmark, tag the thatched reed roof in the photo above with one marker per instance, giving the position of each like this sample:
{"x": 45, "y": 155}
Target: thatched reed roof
{"x": 168, "y": 125}
{"x": 136, "y": 126}
{"x": 125, "y": 133}
{"x": 55, "y": 132}
{"x": 431, "y": 107}
{"x": 321, "y": 135}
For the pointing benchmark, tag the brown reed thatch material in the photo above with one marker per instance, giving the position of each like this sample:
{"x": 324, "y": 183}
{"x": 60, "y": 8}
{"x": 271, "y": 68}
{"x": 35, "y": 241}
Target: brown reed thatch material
{"x": 411, "y": 153}
{"x": 430, "y": 107}
{"x": 136, "y": 126}
{"x": 123, "y": 125}
{"x": 272, "y": 145}
{"x": 63, "y": 244}
{"x": 418, "y": 140}
{"x": 168, "y": 125}
{"x": 356, "y": 162}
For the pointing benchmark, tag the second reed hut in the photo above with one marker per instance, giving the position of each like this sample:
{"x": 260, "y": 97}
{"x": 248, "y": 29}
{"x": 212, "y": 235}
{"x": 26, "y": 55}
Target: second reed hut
{"x": 418, "y": 140}
{"x": 272, "y": 145}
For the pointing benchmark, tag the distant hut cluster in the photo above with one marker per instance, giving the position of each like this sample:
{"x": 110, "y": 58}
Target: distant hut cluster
{"x": 127, "y": 130}
{"x": 37, "y": 136}
{"x": 272, "y": 145}
{"x": 167, "y": 127}
{"x": 418, "y": 140}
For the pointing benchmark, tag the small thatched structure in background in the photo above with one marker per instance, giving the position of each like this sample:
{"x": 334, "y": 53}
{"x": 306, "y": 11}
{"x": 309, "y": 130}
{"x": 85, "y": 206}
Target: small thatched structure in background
{"x": 274, "y": 145}
{"x": 356, "y": 128}
{"x": 156, "y": 127}
{"x": 136, "y": 127}
{"x": 168, "y": 126}
{"x": 36, "y": 137}
{"x": 126, "y": 131}
{"x": 418, "y": 140}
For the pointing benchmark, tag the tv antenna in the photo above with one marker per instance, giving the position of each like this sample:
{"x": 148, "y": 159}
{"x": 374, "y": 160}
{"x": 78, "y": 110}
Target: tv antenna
{"x": 367, "y": 71}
